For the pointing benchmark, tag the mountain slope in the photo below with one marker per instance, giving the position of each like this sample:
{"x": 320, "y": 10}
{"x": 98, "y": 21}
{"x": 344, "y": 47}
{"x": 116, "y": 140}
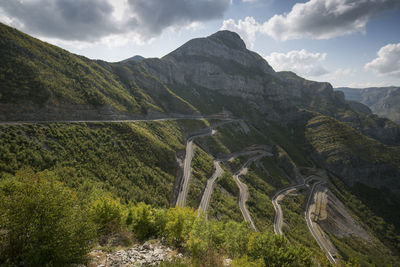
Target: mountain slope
{"x": 305, "y": 123}
{"x": 383, "y": 101}
{"x": 39, "y": 80}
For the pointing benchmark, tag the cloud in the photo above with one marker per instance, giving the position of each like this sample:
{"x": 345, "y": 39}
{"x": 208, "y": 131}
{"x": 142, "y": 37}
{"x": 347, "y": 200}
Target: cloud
{"x": 92, "y": 20}
{"x": 246, "y": 28}
{"x": 69, "y": 20}
{"x": 320, "y": 19}
{"x": 301, "y": 62}
{"x": 156, "y": 15}
{"x": 387, "y": 62}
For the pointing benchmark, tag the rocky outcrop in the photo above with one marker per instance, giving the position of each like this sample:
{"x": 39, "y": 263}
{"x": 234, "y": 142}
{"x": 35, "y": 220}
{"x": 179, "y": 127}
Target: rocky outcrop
{"x": 139, "y": 255}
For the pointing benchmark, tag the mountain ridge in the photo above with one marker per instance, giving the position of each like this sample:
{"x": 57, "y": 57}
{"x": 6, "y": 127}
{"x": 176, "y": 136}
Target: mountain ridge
{"x": 383, "y": 101}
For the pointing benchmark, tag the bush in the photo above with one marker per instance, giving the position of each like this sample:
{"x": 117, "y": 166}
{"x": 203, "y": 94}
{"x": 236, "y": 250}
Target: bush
{"x": 141, "y": 220}
{"x": 106, "y": 213}
{"x": 178, "y": 225}
{"x": 245, "y": 262}
{"x": 41, "y": 222}
{"x": 275, "y": 250}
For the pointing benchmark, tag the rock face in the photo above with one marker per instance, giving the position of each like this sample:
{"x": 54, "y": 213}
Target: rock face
{"x": 139, "y": 255}
{"x": 383, "y": 101}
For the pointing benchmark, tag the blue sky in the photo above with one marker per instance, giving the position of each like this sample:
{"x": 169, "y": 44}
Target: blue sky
{"x": 346, "y": 42}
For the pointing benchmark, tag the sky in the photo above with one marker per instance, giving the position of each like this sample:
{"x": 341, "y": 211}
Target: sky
{"x": 354, "y": 43}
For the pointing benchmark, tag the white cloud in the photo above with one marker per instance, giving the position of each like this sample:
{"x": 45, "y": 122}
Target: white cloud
{"x": 322, "y": 19}
{"x": 249, "y": 1}
{"x": 387, "y": 62}
{"x": 246, "y": 28}
{"x": 318, "y": 19}
{"x": 301, "y": 62}
{"x": 93, "y": 20}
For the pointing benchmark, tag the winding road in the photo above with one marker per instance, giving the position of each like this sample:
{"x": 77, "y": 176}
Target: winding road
{"x": 244, "y": 194}
{"x": 324, "y": 244}
{"x": 278, "y": 220}
{"x": 205, "y": 200}
{"x": 243, "y": 197}
{"x": 187, "y": 169}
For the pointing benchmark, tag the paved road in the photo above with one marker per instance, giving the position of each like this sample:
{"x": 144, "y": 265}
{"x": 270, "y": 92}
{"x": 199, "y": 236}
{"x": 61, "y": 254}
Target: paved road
{"x": 176, "y": 117}
{"x": 244, "y": 194}
{"x": 205, "y": 200}
{"x": 187, "y": 169}
{"x": 278, "y": 220}
{"x": 244, "y": 153}
{"x": 320, "y": 240}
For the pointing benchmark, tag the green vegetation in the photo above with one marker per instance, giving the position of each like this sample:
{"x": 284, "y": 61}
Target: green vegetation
{"x": 42, "y": 222}
{"x": 369, "y": 219}
{"x": 129, "y": 160}
{"x": 296, "y": 228}
{"x": 261, "y": 188}
{"x": 36, "y": 72}
{"x": 276, "y": 177}
{"x": 340, "y": 142}
{"x": 235, "y": 164}
{"x": 231, "y": 137}
{"x": 202, "y": 169}
{"x": 224, "y": 199}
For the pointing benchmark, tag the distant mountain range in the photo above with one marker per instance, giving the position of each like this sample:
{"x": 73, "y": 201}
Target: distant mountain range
{"x": 383, "y": 101}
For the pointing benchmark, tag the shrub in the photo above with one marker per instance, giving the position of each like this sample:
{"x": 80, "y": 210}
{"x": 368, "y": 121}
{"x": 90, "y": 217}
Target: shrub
{"x": 275, "y": 250}
{"x": 106, "y": 213}
{"x": 178, "y": 224}
{"x": 141, "y": 220}
{"x": 41, "y": 222}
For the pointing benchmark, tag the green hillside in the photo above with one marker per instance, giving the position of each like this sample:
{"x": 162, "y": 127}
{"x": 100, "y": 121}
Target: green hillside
{"x": 34, "y": 74}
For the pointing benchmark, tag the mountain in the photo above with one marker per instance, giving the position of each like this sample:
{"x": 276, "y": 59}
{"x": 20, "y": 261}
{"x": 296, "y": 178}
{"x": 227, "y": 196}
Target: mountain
{"x": 383, "y": 101}
{"x": 306, "y": 129}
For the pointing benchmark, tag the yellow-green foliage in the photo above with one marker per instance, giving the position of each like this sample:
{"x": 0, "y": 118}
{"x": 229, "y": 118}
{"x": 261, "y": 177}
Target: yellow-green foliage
{"x": 134, "y": 161}
{"x": 36, "y": 72}
{"x": 339, "y": 142}
{"x": 202, "y": 169}
{"x": 269, "y": 248}
{"x": 179, "y": 224}
{"x": 296, "y": 228}
{"x": 106, "y": 213}
{"x": 224, "y": 199}
{"x": 42, "y": 223}
{"x": 245, "y": 262}
{"x": 259, "y": 202}
{"x": 145, "y": 221}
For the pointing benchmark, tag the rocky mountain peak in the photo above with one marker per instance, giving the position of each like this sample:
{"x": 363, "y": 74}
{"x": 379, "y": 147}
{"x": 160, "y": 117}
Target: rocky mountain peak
{"x": 228, "y": 38}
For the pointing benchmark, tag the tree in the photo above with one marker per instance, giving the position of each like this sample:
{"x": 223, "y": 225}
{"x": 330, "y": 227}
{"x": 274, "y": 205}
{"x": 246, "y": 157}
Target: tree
{"x": 106, "y": 213}
{"x": 276, "y": 251}
{"x": 178, "y": 224}
{"x": 41, "y": 222}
